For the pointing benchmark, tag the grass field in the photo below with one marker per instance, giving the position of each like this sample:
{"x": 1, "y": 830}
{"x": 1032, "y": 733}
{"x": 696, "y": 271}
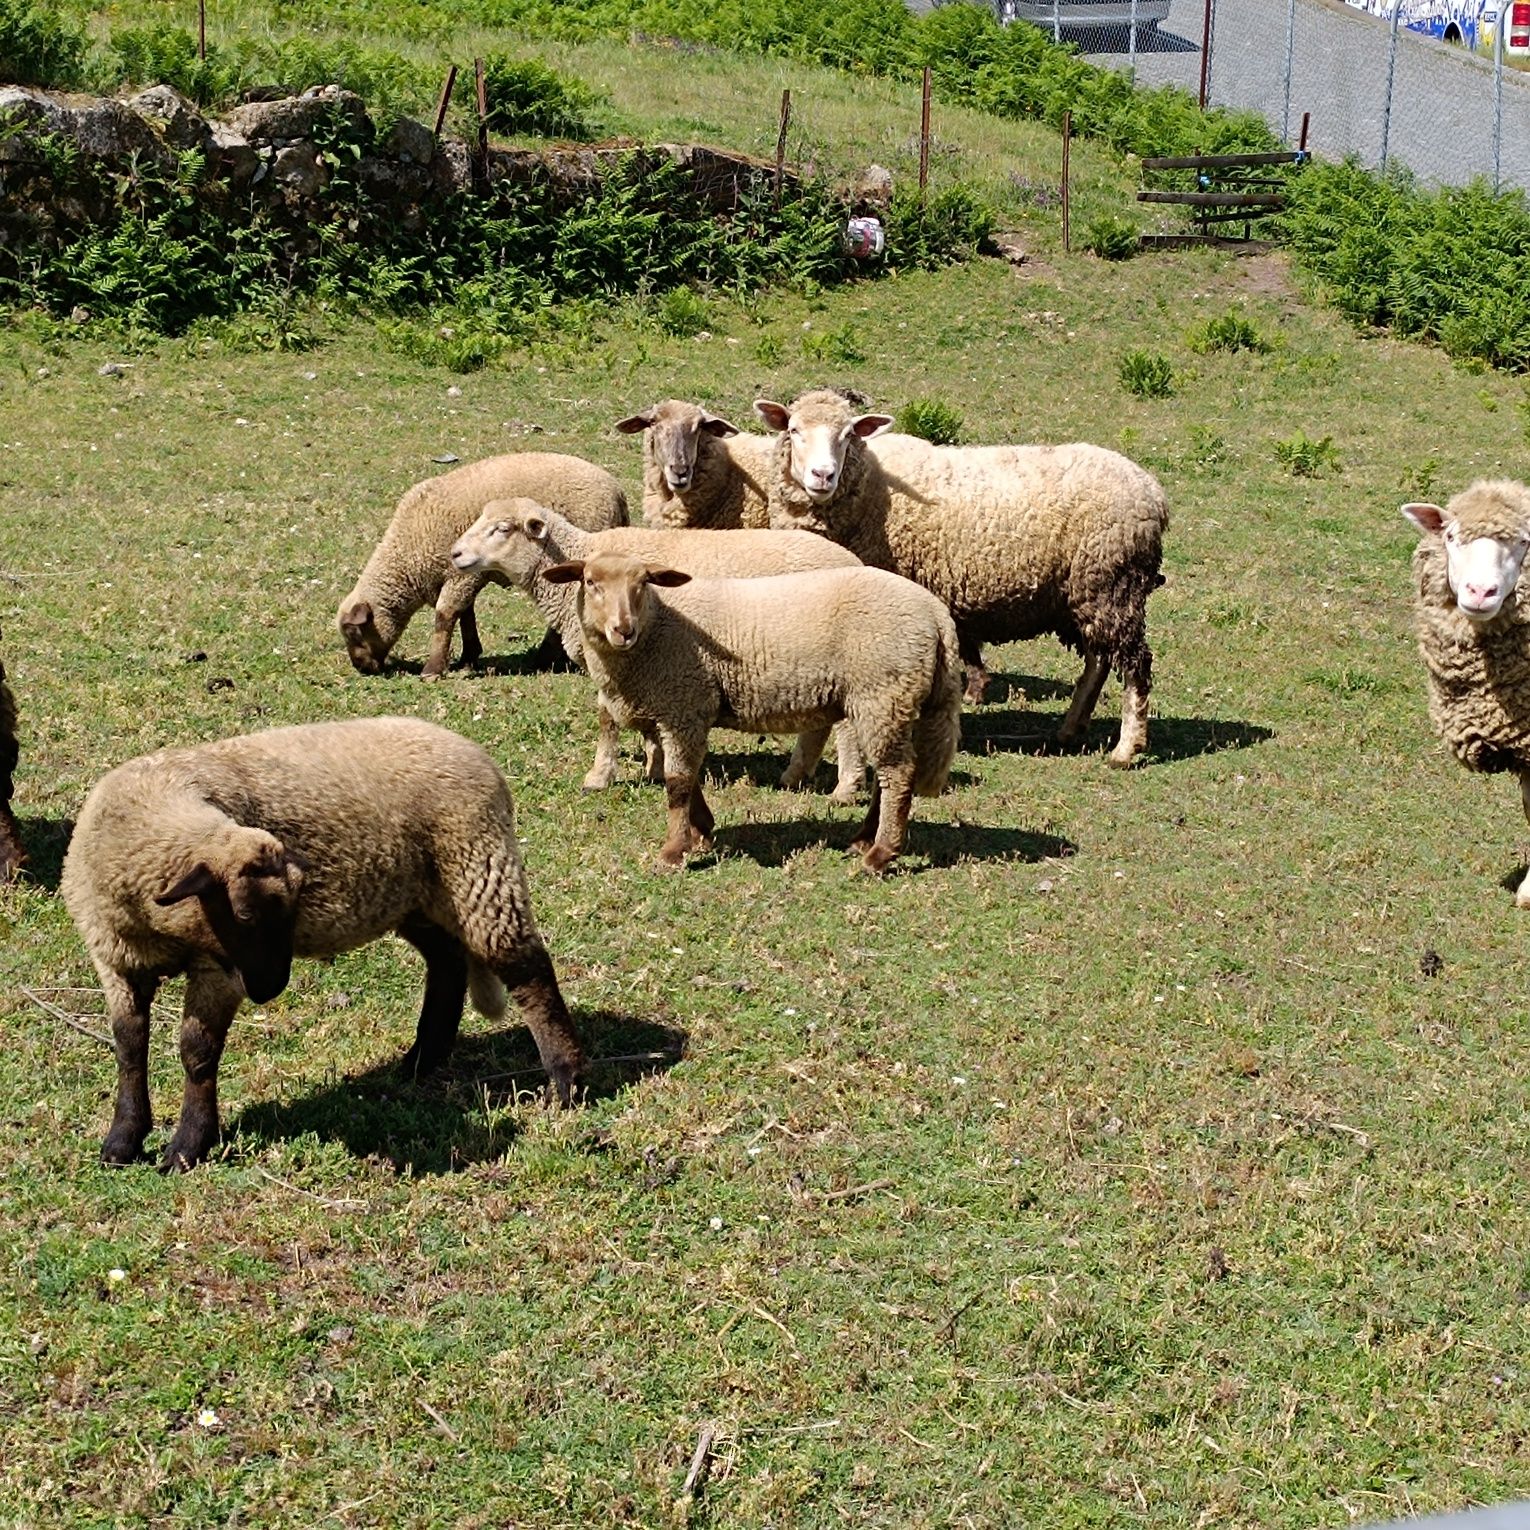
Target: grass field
{"x": 1148, "y": 1150}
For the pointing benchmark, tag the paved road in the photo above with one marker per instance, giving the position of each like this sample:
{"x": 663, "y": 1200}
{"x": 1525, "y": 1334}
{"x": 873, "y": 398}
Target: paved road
{"x": 1442, "y": 115}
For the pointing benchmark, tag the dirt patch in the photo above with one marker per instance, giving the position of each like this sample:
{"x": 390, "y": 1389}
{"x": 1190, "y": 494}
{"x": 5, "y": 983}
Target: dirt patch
{"x": 1268, "y": 274}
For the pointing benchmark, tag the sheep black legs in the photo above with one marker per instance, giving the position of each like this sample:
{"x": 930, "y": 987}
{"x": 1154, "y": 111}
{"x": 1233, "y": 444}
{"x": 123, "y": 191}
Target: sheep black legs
{"x": 690, "y": 819}
{"x": 212, "y": 997}
{"x": 12, "y": 856}
{"x": 1522, "y": 896}
{"x": 1085, "y": 694}
{"x": 533, "y": 985}
{"x": 472, "y": 648}
{"x": 127, "y": 1004}
{"x": 445, "y": 990}
{"x": 971, "y": 652}
{"x": 881, "y": 835}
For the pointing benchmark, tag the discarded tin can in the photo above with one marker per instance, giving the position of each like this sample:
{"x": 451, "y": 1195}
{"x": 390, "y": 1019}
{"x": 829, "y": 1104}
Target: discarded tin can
{"x": 864, "y": 237}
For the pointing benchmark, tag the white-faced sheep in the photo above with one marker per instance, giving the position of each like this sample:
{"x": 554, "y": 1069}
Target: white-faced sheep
{"x": 223, "y": 861}
{"x": 1473, "y": 629}
{"x": 519, "y": 540}
{"x": 410, "y": 569}
{"x": 12, "y": 855}
{"x": 797, "y": 652}
{"x": 1017, "y": 540}
{"x": 700, "y": 470}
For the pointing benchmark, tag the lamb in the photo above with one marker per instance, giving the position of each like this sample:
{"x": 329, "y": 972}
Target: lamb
{"x": 518, "y": 540}
{"x": 1474, "y": 631}
{"x": 1016, "y": 540}
{"x": 699, "y": 470}
{"x": 409, "y": 567}
{"x": 13, "y": 855}
{"x": 225, "y": 860}
{"x": 793, "y": 651}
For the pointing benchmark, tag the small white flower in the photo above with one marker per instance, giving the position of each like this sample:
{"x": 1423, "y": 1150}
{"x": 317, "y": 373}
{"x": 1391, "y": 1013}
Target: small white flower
{"x": 788, "y": 1010}
{"x": 754, "y": 1150}
{"x": 958, "y": 1080}
{"x": 715, "y": 1224}
{"x": 116, "y": 1277}
{"x": 208, "y": 1419}
{"x": 1158, "y": 998}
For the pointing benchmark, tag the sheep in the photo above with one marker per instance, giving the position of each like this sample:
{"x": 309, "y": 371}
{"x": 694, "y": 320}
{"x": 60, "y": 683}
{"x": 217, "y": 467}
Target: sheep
{"x": 788, "y": 652}
{"x": 1474, "y": 631}
{"x": 1016, "y": 540}
{"x": 699, "y": 470}
{"x": 13, "y": 855}
{"x": 409, "y": 567}
{"x": 225, "y": 860}
{"x": 519, "y": 539}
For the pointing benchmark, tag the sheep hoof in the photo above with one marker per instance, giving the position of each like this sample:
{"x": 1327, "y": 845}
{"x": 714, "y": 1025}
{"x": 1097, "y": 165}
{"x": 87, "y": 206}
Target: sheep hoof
{"x": 791, "y": 781}
{"x": 430, "y": 674}
{"x": 669, "y": 860}
{"x": 120, "y": 1152}
{"x": 845, "y": 796}
{"x": 181, "y": 1157}
{"x": 1522, "y": 897}
{"x": 596, "y": 781}
{"x": 877, "y": 859}
{"x": 1118, "y": 761}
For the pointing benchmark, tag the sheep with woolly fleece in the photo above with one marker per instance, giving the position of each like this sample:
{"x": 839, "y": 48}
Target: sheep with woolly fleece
{"x": 410, "y": 569}
{"x": 12, "y": 854}
{"x": 519, "y": 540}
{"x": 792, "y": 652}
{"x": 700, "y": 470}
{"x": 1016, "y": 540}
{"x": 1474, "y": 630}
{"x": 225, "y": 860}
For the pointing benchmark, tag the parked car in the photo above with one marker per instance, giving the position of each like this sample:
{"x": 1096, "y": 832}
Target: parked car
{"x": 1062, "y": 17}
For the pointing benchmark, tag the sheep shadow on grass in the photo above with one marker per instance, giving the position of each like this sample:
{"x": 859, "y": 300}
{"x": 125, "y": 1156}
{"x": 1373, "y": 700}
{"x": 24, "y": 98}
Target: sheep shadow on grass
{"x": 445, "y": 1123}
{"x": 1169, "y": 738}
{"x": 929, "y": 845}
{"x": 45, "y": 841}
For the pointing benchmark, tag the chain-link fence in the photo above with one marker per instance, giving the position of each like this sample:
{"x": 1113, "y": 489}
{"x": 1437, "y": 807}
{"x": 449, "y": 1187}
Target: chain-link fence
{"x": 1367, "y": 80}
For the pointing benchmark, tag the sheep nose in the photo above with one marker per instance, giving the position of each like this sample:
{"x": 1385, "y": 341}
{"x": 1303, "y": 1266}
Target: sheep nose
{"x": 1482, "y": 593}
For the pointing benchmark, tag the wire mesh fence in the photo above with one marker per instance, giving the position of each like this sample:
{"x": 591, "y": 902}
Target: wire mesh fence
{"x": 1451, "y": 106}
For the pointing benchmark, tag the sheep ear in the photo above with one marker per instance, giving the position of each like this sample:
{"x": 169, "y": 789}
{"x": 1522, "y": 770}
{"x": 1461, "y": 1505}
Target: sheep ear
{"x": 1425, "y": 517}
{"x": 534, "y": 527}
{"x": 200, "y": 879}
{"x": 668, "y": 577}
{"x": 868, "y": 425}
{"x": 774, "y": 415}
{"x": 358, "y": 614}
{"x": 715, "y": 425}
{"x": 563, "y": 573}
{"x": 635, "y": 422}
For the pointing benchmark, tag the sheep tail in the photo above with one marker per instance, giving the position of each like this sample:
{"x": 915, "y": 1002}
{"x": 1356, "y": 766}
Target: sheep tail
{"x": 937, "y": 731}
{"x": 486, "y": 991}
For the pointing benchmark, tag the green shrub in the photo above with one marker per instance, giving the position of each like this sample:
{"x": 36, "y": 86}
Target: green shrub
{"x": 1111, "y": 238}
{"x": 1146, "y": 375}
{"x": 932, "y": 419}
{"x": 949, "y": 225}
{"x": 38, "y": 46}
{"x": 1229, "y": 332}
{"x": 835, "y": 347}
{"x": 167, "y": 55}
{"x": 526, "y": 97}
{"x": 1304, "y": 458}
{"x": 681, "y": 312}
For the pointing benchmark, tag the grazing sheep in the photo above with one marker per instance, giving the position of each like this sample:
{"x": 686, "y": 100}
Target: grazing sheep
{"x": 226, "y": 860}
{"x": 699, "y": 470}
{"x": 1016, "y": 540}
{"x": 795, "y": 652}
{"x": 518, "y": 540}
{"x": 12, "y": 854}
{"x": 1474, "y": 631}
{"x": 409, "y": 567}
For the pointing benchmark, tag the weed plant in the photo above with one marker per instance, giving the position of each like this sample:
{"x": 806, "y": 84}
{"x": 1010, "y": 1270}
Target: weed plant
{"x": 1111, "y": 238}
{"x": 38, "y": 46}
{"x": 1229, "y": 332}
{"x": 1145, "y": 374}
{"x": 525, "y": 97}
{"x": 1305, "y": 458}
{"x": 932, "y": 418}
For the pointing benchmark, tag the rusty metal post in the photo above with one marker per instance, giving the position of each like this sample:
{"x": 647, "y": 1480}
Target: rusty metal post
{"x": 786, "y": 117}
{"x": 483, "y": 123}
{"x": 1067, "y": 135}
{"x": 202, "y": 30}
{"x": 446, "y": 98}
{"x": 1206, "y": 53}
{"x": 1306, "y": 123}
{"x": 924, "y": 136}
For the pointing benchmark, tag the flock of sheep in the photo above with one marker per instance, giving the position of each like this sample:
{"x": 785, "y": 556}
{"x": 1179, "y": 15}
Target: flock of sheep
{"x": 829, "y": 575}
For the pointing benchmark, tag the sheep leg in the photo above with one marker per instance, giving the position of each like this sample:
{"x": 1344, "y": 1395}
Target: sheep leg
{"x": 805, "y": 758}
{"x": 530, "y": 978}
{"x": 653, "y": 754}
{"x": 127, "y": 1003}
{"x": 852, "y": 768}
{"x": 13, "y": 855}
{"x": 892, "y": 801}
{"x": 971, "y": 652}
{"x": 445, "y": 992}
{"x": 1522, "y": 896}
{"x": 440, "y": 645}
{"x": 472, "y": 647}
{"x": 212, "y": 997}
{"x": 1085, "y": 694}
{"x": 683, "y": 756}
{"x": 1136, "y": 682}
{"x": 603, "y": 772}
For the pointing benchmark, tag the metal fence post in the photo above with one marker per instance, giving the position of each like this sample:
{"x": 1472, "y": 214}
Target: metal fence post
{"x": 1056, "y": 23}
{"x": 1386, "y": 106}
{"x": 1503, "y": 12}
{"x": 1131, "y": 57}
{"x": 1285, "y": 111}
{"x": 1205, "y": 91}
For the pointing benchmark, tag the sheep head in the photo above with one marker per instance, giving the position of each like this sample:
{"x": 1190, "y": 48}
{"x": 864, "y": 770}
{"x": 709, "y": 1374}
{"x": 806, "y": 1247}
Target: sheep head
{"x": 675, "y": 429}
{"x": 1485, "y": 532}
{"x": 819, "y": 429}
{"x": 363, "y": 642}
{"x": 246, "y": 883}
{"x": 509, "y": 538}
{"x": 615, "y": 598}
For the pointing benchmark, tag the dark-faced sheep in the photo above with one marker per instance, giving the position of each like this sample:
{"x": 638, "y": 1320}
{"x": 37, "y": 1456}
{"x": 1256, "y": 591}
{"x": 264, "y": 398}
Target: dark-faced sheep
{"x": 700, "y": 470}
{"x": 223, "y": 861}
